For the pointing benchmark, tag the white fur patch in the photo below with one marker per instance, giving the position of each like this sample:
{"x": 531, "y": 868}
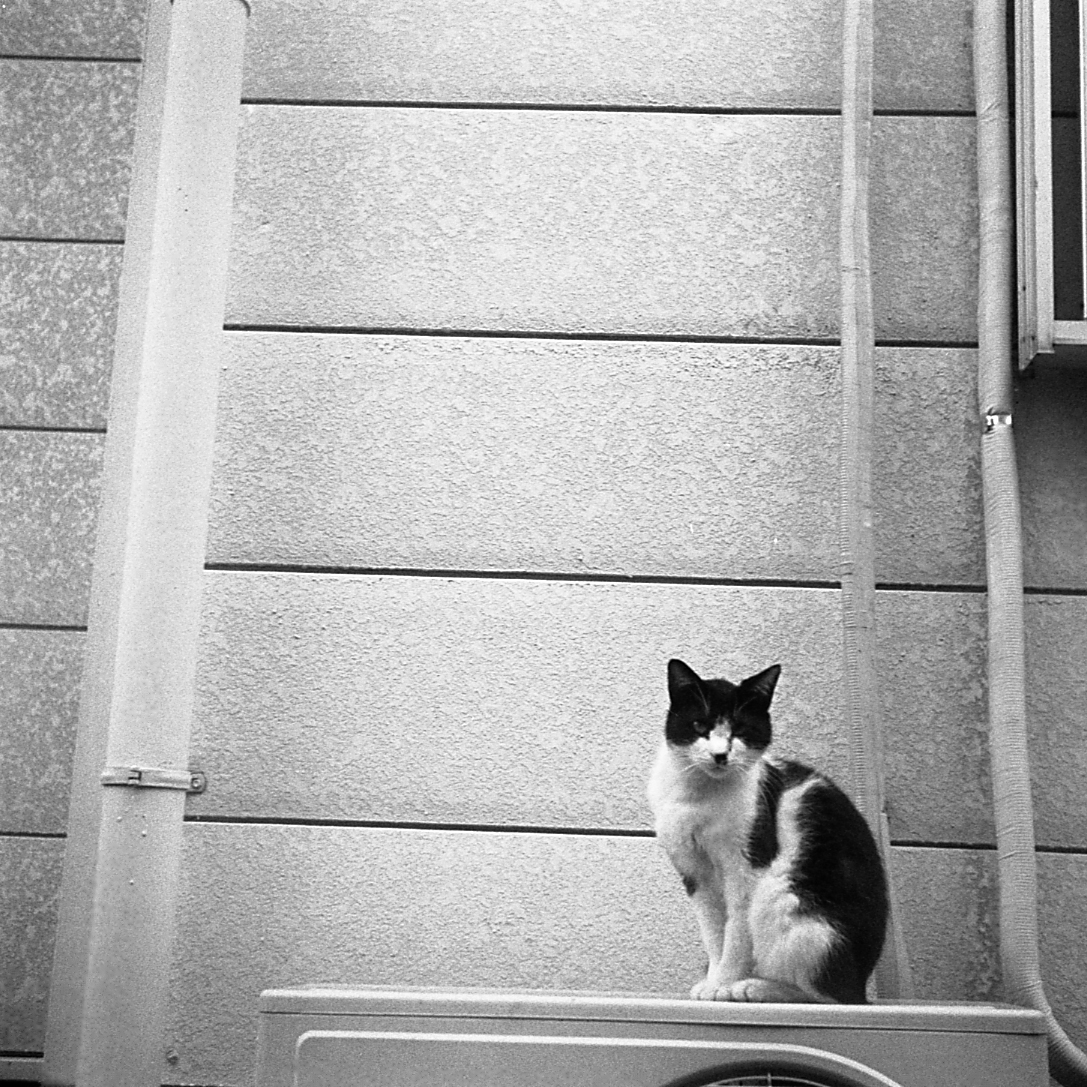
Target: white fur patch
{"x": 787, "y": 945}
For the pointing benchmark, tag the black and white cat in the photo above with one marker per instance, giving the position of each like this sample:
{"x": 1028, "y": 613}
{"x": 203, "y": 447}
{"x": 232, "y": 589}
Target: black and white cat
{"x": 781, "y": 868}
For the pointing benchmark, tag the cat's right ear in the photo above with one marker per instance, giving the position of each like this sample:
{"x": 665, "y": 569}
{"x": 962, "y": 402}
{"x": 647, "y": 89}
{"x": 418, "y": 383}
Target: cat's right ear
{"x": 684, "y": 684}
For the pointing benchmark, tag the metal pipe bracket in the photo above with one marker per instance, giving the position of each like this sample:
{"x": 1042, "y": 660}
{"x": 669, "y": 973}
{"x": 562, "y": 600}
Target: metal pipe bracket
{"x": 149, "y": 777}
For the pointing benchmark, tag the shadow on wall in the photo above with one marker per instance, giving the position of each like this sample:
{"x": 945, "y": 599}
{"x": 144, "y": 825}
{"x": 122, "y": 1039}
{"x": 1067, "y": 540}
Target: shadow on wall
{"x": 1051, "y": 431}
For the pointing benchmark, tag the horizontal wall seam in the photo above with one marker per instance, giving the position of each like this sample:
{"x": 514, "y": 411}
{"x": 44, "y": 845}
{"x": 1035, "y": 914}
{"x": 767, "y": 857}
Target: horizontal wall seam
{"x": 925, "y": 587}
{"x": 32, "y": 834}
{"x": 520, "y": 334}
{"x": 34, "y": 429}
{"x": 69, "y": 627}
{"x": 573, "y": 576}
{"x": 515, "y": 828}
{"x": 399, "y": 824}
{"x": 49, "y": 58}
{"x": 615, "y": 337}
{"x": 1069, "y": 850}
{"x": 512, "y": 575}
{"x": 27, "y": 239}
{"x": 589, "y": 107}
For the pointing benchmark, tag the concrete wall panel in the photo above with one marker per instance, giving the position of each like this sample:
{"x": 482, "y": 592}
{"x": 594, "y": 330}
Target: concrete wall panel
{"x": 1062, "y": 920}
{"x": 61, "y": 28}
{"x": 932, "y": 694}
{"x": 28, "y": 905}
{"x": 352, "y": 683}
{"x": 282, "y": 905}
{"x": 285, "y": 905}
{"x": 48, "y": 507}
{"x": 1057, "y": 712}
{"x": 518, "y": 702}
{"x": 947, "y": 901}
{"x": 66, "y": 130}
{"x": 591, "y": 222}
{"x": 58, "y": 306}
{"x": 488, "y": 454}
{"x": 1051, "y": 433}
{"x": 39, "y": 692}
{"x": 926, "y": 482}
{"x": 632, "y": 458}
{"x": 935, "y": 714}
{"x": 779, "y": 55}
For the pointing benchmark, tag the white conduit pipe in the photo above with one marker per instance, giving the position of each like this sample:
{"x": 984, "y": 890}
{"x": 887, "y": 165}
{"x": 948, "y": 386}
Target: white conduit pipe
{"x": 120, "y": 884}
{"x": 1012, "y": 805}
{"x": 858, "y": 577}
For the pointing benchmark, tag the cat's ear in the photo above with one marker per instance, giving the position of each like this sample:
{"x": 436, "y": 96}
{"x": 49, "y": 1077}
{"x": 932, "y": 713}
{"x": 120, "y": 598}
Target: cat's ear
{"x": 684, "y": 684}
{"x": 763, "y": 683}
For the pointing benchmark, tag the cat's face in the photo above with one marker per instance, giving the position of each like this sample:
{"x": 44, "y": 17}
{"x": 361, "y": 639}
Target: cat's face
{"x": 717, "y": 726}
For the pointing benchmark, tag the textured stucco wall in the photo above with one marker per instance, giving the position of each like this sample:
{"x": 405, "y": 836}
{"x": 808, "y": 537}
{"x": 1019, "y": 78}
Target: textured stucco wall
{"x": 509, "y": 414}
{"x": 447, "y": 566}
{"x": 575, "y": 222}
{"x": 68, "y": 85}
{"x": 545, "y": 423}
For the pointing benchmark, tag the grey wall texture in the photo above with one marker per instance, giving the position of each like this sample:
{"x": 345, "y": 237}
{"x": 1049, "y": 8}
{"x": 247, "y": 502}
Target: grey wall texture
{"x": 530, "y": 382}
{"x": 69, "y": 77}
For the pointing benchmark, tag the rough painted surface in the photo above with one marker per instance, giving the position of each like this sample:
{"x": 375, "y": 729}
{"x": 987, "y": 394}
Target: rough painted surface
{"x": 933, "y": 686}
{"x": 540, "y": 703}
{"x": 66, "y": 131}
{"x": 1056, "y": 712}
{"x": 57, "y": 319}
{"x": 441, "y": 453}
{"x": 1062, "y": 920}
{"x": 931, "y": 663}
{"x": 784, "y": 54}
{"x": 604, "y": 222}
{"x": 1051, "y": 434}
{"x": 61, "y": 28}
{"x": 28, "y": 906}
{"x": 926, "y": 475}
{"x": 293, "y": 905}
{"x": 631, "y": 458}
{"x": 39, "y": 693}
{"x": 516, "y": 702}
{"x": 48, "y": 507}
{"x": 279, "y": 906}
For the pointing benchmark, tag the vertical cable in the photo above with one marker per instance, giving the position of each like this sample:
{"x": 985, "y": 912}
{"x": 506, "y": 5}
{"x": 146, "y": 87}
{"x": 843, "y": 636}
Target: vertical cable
{"x": 858, "y": 577}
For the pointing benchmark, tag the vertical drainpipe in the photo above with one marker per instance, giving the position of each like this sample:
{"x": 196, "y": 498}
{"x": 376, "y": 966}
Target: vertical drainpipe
{"x": 1009, "y": 759}
{"x": 119, "y": 886}
{"x": 858, "y": 574}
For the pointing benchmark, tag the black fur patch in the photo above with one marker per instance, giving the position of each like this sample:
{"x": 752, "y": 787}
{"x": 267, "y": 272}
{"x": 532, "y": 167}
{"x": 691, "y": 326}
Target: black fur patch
{"x": 689, "y": 884}
{"x": 762, "y": 841}
{"x": 839, "y": 876}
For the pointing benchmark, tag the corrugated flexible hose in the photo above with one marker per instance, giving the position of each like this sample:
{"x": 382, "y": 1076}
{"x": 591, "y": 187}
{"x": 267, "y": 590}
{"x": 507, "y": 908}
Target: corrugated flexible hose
{"x": 858, "y": 593}
{"x": 1012, "y": 806}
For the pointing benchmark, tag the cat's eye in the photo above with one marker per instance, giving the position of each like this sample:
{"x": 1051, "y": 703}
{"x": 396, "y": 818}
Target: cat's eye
{"x": 703, "y": 728}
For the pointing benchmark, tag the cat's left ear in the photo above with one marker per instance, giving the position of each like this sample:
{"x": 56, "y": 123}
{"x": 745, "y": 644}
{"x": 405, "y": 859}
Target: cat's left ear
{"x": 763, "y": 683}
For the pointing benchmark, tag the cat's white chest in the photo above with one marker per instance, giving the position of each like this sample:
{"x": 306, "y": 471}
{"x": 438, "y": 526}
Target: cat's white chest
{"x": 702, "y": 823}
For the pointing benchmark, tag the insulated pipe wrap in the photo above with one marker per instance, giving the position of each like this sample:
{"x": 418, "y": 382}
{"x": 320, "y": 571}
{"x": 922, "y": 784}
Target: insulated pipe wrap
{"x": 1010, "y": 764}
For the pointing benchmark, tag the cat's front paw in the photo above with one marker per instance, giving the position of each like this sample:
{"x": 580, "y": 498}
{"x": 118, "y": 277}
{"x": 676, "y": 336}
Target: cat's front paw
{"x": 707, "y": 989}
{"x": 766, "y": 991}
{"x": 748, "y": 989}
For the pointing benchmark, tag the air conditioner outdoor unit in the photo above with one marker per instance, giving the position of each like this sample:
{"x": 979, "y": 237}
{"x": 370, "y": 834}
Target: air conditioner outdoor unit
{"x": 325, "y": 1037}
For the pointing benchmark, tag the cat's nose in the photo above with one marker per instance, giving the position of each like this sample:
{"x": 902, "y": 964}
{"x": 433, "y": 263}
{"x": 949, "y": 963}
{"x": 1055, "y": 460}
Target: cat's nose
{"x": 721, "y": 758}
